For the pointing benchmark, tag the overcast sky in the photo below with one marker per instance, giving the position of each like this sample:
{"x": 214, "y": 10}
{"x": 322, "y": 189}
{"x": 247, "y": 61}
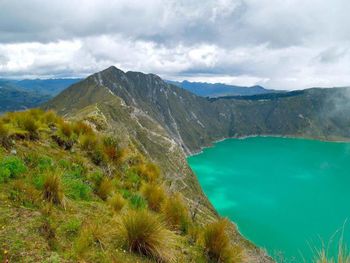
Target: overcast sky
{"x": 289, "y": 44}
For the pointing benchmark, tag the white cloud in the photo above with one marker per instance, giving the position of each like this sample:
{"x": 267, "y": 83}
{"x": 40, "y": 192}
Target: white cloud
{"x": 280, "y": 44}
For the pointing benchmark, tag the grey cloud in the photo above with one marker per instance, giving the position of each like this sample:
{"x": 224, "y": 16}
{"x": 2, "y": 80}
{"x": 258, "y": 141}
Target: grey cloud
{"x": 282, "y": 44}
{"x": 333, "y": 54}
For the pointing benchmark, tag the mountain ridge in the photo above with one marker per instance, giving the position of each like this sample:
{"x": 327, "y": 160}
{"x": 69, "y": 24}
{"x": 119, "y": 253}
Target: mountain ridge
{"x": 213, "y": 90}
{"x": 168, "y": 123}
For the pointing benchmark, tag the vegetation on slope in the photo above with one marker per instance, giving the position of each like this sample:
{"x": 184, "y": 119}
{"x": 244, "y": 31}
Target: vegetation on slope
{"x": 69, "y": 193}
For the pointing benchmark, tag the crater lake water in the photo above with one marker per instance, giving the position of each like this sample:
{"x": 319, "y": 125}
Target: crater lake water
{"x": 286, "y": 195}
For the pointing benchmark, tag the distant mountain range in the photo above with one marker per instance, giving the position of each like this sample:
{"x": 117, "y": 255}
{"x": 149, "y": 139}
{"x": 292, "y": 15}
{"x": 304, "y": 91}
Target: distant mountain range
{"x": 219, "y": 89}
{"x": 22, "y": 94}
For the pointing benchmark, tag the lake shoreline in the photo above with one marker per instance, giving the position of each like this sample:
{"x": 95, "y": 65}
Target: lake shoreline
{"x": 315, "y": 138}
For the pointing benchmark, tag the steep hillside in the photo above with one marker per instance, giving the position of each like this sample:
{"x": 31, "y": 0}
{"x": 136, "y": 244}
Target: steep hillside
{"x": 218, "y": 89}
{"x": 194, "y": 122}
{"x": 72, "y": 191}
{"x": 154, "y": 134}
{"x": 166, "y": 122}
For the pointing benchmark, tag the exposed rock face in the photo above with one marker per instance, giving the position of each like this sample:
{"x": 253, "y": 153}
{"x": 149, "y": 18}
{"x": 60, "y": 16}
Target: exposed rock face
{"x": 167, "y": 122}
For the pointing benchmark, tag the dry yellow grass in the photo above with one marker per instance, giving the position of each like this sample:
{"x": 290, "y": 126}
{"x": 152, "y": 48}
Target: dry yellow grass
{"x": 145, "y": 233}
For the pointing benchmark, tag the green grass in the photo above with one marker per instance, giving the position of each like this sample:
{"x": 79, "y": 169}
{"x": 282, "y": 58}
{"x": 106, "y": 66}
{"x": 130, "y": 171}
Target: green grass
{"x": 59, "y": 204}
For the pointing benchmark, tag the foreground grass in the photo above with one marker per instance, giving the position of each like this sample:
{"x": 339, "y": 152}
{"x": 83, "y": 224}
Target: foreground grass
{"x": 71, "y": 194}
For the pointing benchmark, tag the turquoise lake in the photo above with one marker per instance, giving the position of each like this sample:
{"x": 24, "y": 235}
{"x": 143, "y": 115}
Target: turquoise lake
{"x": 286, "y": 195}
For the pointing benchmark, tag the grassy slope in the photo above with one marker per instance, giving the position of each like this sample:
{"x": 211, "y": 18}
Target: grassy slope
{"x": 81, "y": 225}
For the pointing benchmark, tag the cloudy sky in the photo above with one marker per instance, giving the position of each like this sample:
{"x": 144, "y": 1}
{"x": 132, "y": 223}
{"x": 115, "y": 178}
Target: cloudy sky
{"x": 289, "y": 44}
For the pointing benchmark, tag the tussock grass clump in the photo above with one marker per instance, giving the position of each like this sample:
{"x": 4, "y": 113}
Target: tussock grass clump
{"x": 66, "y": 129}
{"x": 91, "y": 234}
{"x": 81, "y": 128}
{"x": 324, "y": 256}
{"x": 104, "y": 188}
{"x": 117, "y": 202}
{"x": 217, "y": 243}
{"x": 176, "y": 213}
{"x": 144, "y": 233}
{"x": 28, "y": 123}
{"x": 51, "y": 118}
{"x": 4, "y": 136}
{"x": 53, "y": 189}
{"x": 154, "y": 194}
{"x": 149, "y": 171}
{"x": 89, "y": 142}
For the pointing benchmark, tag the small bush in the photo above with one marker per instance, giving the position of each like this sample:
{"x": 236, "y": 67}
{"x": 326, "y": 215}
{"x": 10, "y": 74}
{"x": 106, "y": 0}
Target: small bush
{"x": 176, "y": 213}
{"x": 154, "y": 194}
{"x": 137, "y": 202}
{"x": 144, "y": 233}
{"x": 217, "y": 244}
{"x": 117, "y": 202}
{"x": 53, "y": 189}
{"x": 13, "y": 165}
{"x": 105, "y": 188}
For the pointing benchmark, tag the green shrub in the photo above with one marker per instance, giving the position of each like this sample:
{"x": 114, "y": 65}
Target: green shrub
{"x": 144, "y": 233}
{"x": 13, "y": 165}
{"x": 217, "y": 244}
{"x": 137, "y": 202}
{"x": 154, "y": 194}
{"x": 176, "y": 213}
